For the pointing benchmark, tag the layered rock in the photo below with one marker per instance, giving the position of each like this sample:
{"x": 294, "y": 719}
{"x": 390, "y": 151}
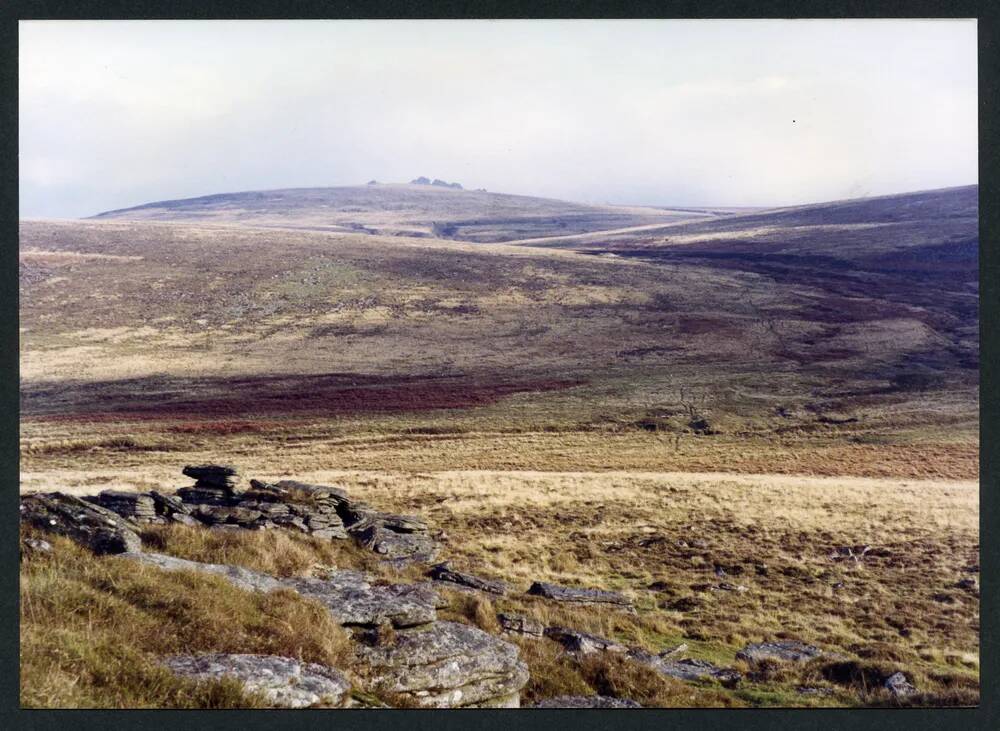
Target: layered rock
{"x": 283, "y": 681}
{"x": 448, "y": 665}
{"x": 135, "y": 506}
{"x": 213, "y": 476}
{"x": 93, "y": 526}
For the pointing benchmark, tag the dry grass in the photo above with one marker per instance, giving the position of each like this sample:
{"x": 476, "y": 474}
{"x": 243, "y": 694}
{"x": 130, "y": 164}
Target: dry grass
{"x": 91, "y": 629}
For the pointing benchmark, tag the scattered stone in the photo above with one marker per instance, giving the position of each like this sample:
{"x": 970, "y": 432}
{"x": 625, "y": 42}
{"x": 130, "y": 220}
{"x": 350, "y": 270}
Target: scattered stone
{"x": 99, "y": 529}
{"x": 33, "y": 546}
{"x": 236, "y": 575}
{"x": 586, "y": 701}
{"x": 811, "y": 690}
{"x": 580, "y": 596}
{"x": 583, "y": 643}
{"x": 518, "y": 624}
{"x": 688, "y": 669}
{"x": 448, "y": 665}
{"x": 283, "y": 681}
{"x": 785, "y": 650}
{"x": 898, "y": 685}
{"x": 444, "y": 572}
{"x": 213, "y": 476}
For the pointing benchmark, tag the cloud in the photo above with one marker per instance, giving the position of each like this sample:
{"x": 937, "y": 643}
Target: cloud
{"x": 664, "y": 112}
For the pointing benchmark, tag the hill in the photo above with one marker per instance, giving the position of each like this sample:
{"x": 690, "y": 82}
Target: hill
{"x": 402, "y": 210}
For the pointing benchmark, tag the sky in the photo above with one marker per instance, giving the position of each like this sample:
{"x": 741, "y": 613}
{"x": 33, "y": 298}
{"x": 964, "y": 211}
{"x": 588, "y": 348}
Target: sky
{"x": 682, "y": 112}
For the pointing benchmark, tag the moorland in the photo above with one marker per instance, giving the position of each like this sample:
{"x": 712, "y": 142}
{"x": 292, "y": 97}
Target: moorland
{"x": 628, "y": 398}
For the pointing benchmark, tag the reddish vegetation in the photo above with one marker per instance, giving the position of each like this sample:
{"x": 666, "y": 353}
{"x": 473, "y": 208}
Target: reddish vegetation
{"x": 325, "y": 395}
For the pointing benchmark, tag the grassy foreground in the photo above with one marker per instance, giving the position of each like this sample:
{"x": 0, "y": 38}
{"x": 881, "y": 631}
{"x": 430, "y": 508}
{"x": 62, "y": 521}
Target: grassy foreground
{"x": 92, "y": 627}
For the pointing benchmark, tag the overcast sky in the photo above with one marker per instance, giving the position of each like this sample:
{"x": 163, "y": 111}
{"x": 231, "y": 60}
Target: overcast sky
{"x": 115, "y": 114}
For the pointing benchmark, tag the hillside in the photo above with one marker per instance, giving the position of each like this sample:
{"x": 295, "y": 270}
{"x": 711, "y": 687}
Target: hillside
{"x": 402, "y": 210}
{"x": 742, "y": 332}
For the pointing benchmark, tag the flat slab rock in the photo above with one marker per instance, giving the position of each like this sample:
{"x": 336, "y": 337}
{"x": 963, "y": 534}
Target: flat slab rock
{"x": 580, "y": 596}
{"x": 237, "y": 575}
{"x": 449, "y": 665}
{"x": 283, "y": 681}
{"x": 99, "y": 529}
{"x": 445, "y": 573}
{"x": 688, "y": 669}
{"x": 783, "y": 651}
{"x": 586, "y": 701}
{"x": 351, "y": 599}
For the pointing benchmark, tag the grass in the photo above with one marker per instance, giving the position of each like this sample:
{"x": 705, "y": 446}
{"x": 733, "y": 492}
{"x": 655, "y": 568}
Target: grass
{"x": 92, "y": 628}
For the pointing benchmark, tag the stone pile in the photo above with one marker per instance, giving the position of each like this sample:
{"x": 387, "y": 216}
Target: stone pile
{"x": 214, "y": 484}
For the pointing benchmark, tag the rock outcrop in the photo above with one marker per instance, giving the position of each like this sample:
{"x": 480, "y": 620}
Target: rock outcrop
{"x": 99, "y": 529}
{"x": 580, "y": 596}
{"x": 448, "y": 665}
{"x": 352, "y": 600}
{"x": 283, "y": 681}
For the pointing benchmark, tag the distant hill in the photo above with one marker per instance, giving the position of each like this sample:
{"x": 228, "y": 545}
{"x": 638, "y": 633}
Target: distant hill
{"x": 418, "y": 210}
